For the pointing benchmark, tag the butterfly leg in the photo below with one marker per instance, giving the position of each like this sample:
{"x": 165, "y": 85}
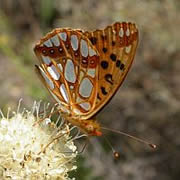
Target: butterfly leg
{"x": 84, "y": 146}
{"x": 42, "y": 119}
{"x": 77, "y": 136}
{"x": 53, "y": 140}
{"x": 43, "y": 113}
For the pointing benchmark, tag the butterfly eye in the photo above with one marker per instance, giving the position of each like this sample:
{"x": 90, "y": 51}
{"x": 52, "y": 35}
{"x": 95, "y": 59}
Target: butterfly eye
{"x": 90, "y": 128}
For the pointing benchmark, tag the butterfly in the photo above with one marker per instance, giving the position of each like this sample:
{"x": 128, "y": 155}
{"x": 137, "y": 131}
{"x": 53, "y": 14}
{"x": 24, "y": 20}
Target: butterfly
{"x": 82, "y": 70}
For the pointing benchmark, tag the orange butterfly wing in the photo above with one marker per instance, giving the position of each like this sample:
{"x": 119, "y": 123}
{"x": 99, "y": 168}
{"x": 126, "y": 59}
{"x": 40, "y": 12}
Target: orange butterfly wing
{"x": 69, "y": 69}
{"x": 116, "y": 45}
{"x": 84, "y": 72}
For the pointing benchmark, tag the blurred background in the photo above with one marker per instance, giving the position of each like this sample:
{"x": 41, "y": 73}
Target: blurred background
{"x": 148, "y": 103}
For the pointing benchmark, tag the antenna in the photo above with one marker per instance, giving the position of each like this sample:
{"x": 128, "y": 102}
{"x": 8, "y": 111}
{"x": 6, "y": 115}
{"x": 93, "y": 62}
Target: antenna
{"x": 115, "y": 153}
{"x": 130, "y": 136}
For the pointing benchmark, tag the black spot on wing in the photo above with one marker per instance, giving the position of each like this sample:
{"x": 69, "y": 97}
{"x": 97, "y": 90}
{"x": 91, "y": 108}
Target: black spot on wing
{"x": 104, "y": 64}
{"x": 98, "y": 96}
{"x": 118, "y": 63}
{"x": 103, "y": 90}
{"x": 113, "y": 43}
{"x": 113, "y": 57}
{"x": 104, "y": 49}
{"x": 103, "y": 37}
{"x": 122, "y": 67}
{"x": 108, "y": 78}
{"x": 93, "y": 40}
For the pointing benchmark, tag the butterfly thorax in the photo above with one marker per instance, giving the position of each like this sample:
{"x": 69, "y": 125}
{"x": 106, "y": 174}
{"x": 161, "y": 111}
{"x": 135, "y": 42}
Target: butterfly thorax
{"x": 89, "y": 126}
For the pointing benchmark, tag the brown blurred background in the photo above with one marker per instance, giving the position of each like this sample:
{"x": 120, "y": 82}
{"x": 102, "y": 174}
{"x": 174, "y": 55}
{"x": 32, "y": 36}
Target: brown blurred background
{"x": 147, "y": 104}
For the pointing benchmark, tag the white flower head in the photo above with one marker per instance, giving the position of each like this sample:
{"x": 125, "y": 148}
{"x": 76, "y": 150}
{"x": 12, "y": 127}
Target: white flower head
{"x": 31, "y": 150}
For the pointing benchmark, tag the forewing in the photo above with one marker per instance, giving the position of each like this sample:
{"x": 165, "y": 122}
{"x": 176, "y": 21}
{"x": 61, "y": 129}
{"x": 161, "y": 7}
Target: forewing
{"x": 69, "y": 66}
{"x": 116, "y": 45}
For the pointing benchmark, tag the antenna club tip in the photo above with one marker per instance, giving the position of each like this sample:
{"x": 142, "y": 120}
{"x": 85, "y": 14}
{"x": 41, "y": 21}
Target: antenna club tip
{"x": 116, "y": 155}
{"x": 153, "y": 146}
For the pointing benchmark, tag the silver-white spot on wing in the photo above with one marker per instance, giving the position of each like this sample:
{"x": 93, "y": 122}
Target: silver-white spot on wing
{"x": 63, "y": 36}
{"x": 71, "y": 87}
{"x": 92, "y": 52}
{"x": 63, "y": 108}
{"x": 55, "y": 40}
{"x": 46, "y": 59}
{"x": 78, "y": 99}
{"x": 48, "y": 43}
{"x": 69, "y": 71}
{"x": 128, "y": 49}
{"x": 81, "y": 75}
{"x": 77, "y": 111}
{"x": 91, "y": 72}
{"x": 85, "y": 88}
{"x": 53, "y": 72}
{"x": 121, "y": 32}
{"x": 84, "y": 48}
{"x": 55, "y": 97}
{"x": 64, "y": 92}
{"x": 48, "y": 81}
{"x": 60, "y": 67}
{"x": 74, "y": 42}
{"x": 86, "y": 106}
{"x": 73, "y": 95}
{"x": 76, "y": 69}
{"x": 127, "y": 32}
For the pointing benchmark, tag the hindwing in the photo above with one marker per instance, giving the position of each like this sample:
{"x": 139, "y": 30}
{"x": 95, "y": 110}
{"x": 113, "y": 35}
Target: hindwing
{"x": 69, "y": 66}
{"x": 116, "y": 45}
